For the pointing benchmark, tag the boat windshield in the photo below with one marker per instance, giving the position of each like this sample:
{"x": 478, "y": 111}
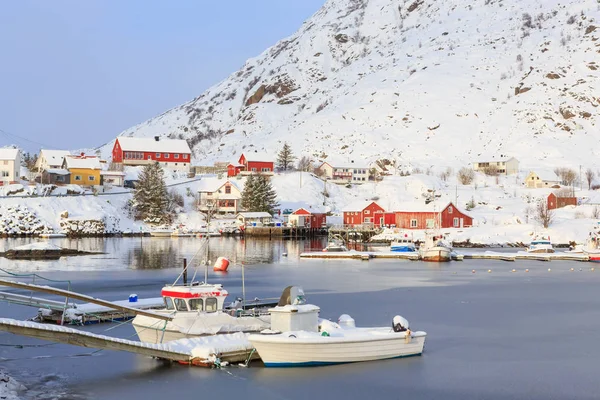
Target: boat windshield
{"x": 196, "y": 304}
{"x": 180, "y": 305}
{"x": 540, "y": 242}
{"x": 169, "y": 303}
{"x": 211, "y": 304}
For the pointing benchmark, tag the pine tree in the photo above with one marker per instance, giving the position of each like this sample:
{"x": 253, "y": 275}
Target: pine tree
{"x": 248, "y": 194}
{"x": 285, "y": 158}
{"x": 266, "y": 197}
{"x": 151, "y": 200}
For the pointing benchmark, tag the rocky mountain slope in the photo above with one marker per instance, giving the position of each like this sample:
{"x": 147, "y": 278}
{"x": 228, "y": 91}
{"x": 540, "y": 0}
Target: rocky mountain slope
{"x": 418, "y": 82}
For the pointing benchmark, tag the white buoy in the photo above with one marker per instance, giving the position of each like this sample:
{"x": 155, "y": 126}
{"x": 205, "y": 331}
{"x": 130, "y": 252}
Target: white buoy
{"x": 572, "y": 269}
{"x": 473, "y": 271}
{"x": 549, "y": 270}
{"x": 489, "y": 271}
{"x": 514, "y": 270}
{"x": 527, "y": 270}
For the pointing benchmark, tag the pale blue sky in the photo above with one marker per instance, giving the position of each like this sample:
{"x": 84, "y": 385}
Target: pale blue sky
{"x": 75, "y": 73}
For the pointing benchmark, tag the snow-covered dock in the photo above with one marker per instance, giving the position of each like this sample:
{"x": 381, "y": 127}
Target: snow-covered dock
{"x": 523, "y": 255}
{"x": 201, "y": 351}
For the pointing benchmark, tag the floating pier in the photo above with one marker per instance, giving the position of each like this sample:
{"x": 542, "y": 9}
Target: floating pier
{"x": 202, "y": 351}
{"x": 522, "y": 255}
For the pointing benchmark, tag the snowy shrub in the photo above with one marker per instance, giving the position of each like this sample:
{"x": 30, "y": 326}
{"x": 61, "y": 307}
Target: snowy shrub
{"x": 465, "y": 175}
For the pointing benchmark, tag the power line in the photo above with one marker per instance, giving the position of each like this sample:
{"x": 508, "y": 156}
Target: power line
{"x": 17, "y": 137}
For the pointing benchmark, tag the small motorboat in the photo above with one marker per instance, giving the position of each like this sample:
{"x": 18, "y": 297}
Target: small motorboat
{"x": 592, "y": 244}
{"x": 540, "y": 244}
{"x": 335, "y": 246}
{"x": 435, "y": 249}
{"x": 298, "y": 337}
{"x": 403, "y": 245}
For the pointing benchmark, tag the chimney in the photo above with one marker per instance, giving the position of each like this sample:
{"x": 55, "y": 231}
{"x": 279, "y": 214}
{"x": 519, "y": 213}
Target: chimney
{"x": 156, "y": 138}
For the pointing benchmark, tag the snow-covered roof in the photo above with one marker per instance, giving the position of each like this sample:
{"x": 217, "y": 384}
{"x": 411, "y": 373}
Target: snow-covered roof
{"x": 495, "y": 159}
{"x": 54, "y": 157}
{"x": 211, "y": 185}
{"x": 8, "y": 154}
{"x": 255, "y": 215}
{"x": 87, "y": 162}
{"x": 112, "y": 173}
{"x": 154, "y": 146}
{"x": 344, "y": 162}
{"x": 546, "y": 175}
{"x": 57, "y": 171}
{"x": 257, "y": 157}
{"x": 359, "y": 205}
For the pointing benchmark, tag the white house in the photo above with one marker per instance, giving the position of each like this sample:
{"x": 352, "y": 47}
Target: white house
{"x": 220, "y": 195}
{"x": 541, "y": 179}
{"x": 254, "y": 218}
{"x": 502, "y": 165}
{"x": 50, "y": 159}
{"x": 344, "y": 174}
{"x": 10, "y": 166}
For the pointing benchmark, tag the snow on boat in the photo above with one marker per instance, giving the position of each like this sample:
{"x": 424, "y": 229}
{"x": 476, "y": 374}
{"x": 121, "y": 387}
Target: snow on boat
{"x": 540, "y": 244}
{"x": 199, "y": 310}
{"x": 298, "y": 338}
{"x": 403, "y": 245}
{"x": 434, "y": 249}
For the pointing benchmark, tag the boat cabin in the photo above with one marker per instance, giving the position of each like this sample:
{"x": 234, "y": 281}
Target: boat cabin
{"x": 202, "y": 297}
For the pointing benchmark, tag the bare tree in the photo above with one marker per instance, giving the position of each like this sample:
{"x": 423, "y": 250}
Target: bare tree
{"x": 305, "y": 164}
{"x": 596, "y": 212}
{"x": 465, "y": 175}
{"x": 589, "y": 176}
{"x": 567, "y": 175}
{"x": 446, "y": 174}
{"x": 543, "y": 215}
{"x": 209, "y": 209}
{"x": 528, "y": 213}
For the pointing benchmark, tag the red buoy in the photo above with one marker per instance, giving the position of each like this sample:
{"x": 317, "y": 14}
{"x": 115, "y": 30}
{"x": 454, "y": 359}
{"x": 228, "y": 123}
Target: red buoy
{"x": 221, "y": 264}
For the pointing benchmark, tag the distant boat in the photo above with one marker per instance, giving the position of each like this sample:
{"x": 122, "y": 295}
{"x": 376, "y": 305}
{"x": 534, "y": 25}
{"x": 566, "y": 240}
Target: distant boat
{"x": 540, "y": 244}
{"x": 52, "y": 235}
{"x": 403, "y": 245}
{"x": 179, "y": 233}
{"x": 161, "y": 233}
{"x": 435, "y": 249}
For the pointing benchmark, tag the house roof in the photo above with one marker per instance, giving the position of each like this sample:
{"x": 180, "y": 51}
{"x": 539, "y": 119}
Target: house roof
{"x": 8, "y": 154}
{"x": 54, "y": 157}
{"x": 255, "y": 215}
{"x": 154, "y": 146}
{"x": 87, "y": 162}
{"x": 112, "y": 173}
{"x": 546, "y": 175}
{"x": 257, "y": 157}
{"x": 496, "y": 159}
{"x": 57, "y": 171}
{"x": 211, "y": 185}
{"x": 420, "y": 206}
{"x": 359, "y": 205}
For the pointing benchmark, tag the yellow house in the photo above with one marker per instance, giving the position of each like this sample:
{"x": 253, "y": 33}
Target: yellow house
{"x": 84, "y": 170}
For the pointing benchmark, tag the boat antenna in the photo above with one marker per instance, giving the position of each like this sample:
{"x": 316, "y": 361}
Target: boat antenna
{"x": 243, "y": 288}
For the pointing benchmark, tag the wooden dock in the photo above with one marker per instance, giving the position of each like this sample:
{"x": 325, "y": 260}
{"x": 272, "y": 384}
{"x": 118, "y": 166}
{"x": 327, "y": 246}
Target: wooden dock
{"x": 284, "y": 232}
{"x": 195, "y": 351}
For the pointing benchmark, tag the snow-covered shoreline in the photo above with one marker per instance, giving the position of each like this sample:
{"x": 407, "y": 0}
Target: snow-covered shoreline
{"x": 10, "y": 389}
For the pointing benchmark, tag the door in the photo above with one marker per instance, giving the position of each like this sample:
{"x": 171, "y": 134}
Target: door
{"x": 462, "y": 221}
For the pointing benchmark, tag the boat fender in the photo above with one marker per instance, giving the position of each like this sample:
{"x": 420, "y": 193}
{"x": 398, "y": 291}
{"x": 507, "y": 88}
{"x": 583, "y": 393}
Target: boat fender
{"x": 324, "y": 333}
{"x": 399, "y": 324}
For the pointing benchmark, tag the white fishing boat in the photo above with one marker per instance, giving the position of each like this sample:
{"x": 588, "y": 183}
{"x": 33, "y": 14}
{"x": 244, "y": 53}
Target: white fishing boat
{"x": 434, "y": 248}
{"x": 335, "y": 243}
{"x": 181, "y": 233}
{"x": 198, "y": 309}
{"x": 540, "y": 244}
{"x": 161, "y": 233}
{"x": 298, "y": 338}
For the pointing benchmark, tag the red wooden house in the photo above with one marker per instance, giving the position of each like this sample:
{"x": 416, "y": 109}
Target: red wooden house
{"x": 425, "y": 216}
{"x": 556, "y": 201}
{"x": 367, "y": 213}
{"x": 171, "y": 153}
{"x": 251, "y": 164}
{"x": 306, "y": 219}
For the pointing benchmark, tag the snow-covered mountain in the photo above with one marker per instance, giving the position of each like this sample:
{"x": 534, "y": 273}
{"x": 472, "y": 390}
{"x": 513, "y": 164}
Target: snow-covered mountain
{"x": 420, "y": 82}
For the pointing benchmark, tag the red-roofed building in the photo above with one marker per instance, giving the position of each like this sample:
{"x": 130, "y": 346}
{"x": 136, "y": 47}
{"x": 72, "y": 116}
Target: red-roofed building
{"x": 425, "y": 217}
{"x": 174, "y": 154}
{"x": 251, "y": 164}
{"x": 305, "y": 219}
{"x": 367, "y": 213}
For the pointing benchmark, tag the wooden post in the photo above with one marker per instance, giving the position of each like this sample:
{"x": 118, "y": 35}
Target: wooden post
{"x": 185, "y": 271}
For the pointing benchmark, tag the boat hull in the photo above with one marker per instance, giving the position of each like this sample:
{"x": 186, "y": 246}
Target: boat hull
{"x": 284, "y": 351}
{"x": 541, "y": 250}
{"x": 436, "y": 254}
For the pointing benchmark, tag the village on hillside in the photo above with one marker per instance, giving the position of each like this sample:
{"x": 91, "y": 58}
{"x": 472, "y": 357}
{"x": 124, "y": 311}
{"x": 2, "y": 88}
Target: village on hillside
{"x": 351, "y": 195}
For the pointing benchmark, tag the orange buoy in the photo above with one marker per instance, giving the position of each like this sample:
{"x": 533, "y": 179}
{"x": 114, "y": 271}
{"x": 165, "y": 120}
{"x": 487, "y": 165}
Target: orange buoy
{"x": 221, "y": 264}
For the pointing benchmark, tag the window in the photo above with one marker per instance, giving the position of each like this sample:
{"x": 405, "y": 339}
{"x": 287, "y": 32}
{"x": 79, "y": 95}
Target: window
{"x": 5, "y": 162}
{"x": 5, "y": 173}
{"x": 91, "y": 178}
{"x": 180, "y": 305}
{"x": 77, "y": 177}
{"x": 169, "y": 303}
{"x": 367, "y": 220}
{"x": 413, "y": 223}
{"x": 149, "y": 157}
{"x": 253, "y": 169}
{"x": 367, "y": 212}
{"x": 176, "y": 156}
{"x": 60, "y": 178}
{"x": 265, "y": 169}
{"x": 196, "y": 304}
{"x": 185, "y": 156}
{"x": 211, "y": 304}
{"x": 430, "y": 223}
{"x": 450, "y": 210}
{"x": 157, "y": 155}
{"x": 166, "y": 155}
{"x": 455, "y": 222}
{"x": 228, "y": 189}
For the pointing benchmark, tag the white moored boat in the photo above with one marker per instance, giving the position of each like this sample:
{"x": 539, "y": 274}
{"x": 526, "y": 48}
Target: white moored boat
{"x": 540, "y": 244}
{"x": 435, "y": 249}
{"x": 298, "y": 338}
{"x": 403, "y": 245}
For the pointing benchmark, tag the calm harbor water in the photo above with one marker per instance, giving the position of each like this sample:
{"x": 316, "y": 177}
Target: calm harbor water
{"x": 498, "y": 335}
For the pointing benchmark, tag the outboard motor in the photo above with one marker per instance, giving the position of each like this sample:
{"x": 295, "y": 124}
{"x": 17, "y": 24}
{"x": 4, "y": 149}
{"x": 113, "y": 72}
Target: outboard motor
{"x": 399, "y": 324}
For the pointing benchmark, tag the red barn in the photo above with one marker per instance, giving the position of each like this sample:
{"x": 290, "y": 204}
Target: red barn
{"x": 170, "y": 153}
{"x": 425, "y": 216}
{"x": 234, "y": 170}
{"x": 556, "y": 201}
{"x": 364, "y": 213}
{"x": 304, "y": 218}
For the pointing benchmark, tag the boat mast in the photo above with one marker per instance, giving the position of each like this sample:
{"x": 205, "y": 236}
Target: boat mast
{"x": 243, "y": 288}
